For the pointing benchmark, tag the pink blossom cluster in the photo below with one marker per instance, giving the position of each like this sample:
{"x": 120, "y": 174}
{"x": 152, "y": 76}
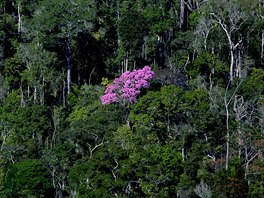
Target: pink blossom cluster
{"x": 127, "y": 87}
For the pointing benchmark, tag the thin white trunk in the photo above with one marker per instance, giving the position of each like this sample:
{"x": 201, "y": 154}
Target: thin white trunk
{"x": 231, "y": 49}
{"x": 232, "y": 46}
{"x": 5, "y": 133}
{"x": 227, "y": 135}
{"x": 64, "y": 93}
{"x": 231, "y": 59}
{"x": 69, "y": 67}
{"x": 183, "y": 149}
{"x": 249, "y": 156}
{"x": 35, "y": 94}
{"x": 91, "y": 150}
{"x": 19, "y": 25}
{"x": 227, "y": 102}
{"x": 182, "y": 152}
{"x": 90, "y": 76}
{"x": 205, "y": 42}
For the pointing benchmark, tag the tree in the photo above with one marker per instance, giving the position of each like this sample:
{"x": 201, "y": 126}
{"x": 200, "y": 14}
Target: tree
{"x": 27, "y": 129}
{"x": 131, "y": 30}
{"x": 7, "y": 31}
{"x": 230, "y": 16}
{"x": 261, "y": 16}
{"x": 125, "y": 89}
{"x": 27, "y": 178}
{"x": 39, "y": 74}
{"x": 65, "y": 19}
{"x": 187, "y": 6}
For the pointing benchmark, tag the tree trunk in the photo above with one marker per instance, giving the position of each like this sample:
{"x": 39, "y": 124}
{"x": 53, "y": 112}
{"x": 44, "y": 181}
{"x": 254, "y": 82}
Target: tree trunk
{"x": 231, "y": 44}
{"x": 90, "y": 76}
{"x": 35, "y": 94}
{"x": 28, "y": 91}
{"x": 182, "y": 153}
{"x": 64, "y": 93}
{"x": 68, "y": 57}
{"x": 183, "y": 16}
{"x": 19, "y": 23}
{"x": 231, "y": 61}
{"x": 227, "y": 102}
{"x": 227, "y": 135}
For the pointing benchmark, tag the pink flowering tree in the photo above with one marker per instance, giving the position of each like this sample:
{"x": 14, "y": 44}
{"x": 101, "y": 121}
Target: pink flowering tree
{"x": 125, "y": 89}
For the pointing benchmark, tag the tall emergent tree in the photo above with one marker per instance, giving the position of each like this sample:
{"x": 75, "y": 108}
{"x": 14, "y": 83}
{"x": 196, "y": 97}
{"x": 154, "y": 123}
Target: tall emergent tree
{"x": 231, "y": 16}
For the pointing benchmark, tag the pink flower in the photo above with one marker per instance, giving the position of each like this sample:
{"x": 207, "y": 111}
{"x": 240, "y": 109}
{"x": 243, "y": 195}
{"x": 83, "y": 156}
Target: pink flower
{"x": 127, "y": 86}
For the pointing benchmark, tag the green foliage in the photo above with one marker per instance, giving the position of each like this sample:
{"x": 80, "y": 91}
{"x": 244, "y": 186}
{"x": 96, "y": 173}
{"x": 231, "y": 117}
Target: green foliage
{"x": 230, "y": 182}
{"x": 254, "y": 84}
{"x": 158, "y": 23}
{"x": 125, "y": 138}
{"x": 55, "y": 144}
{"x": 12, "y": 71}
{"x": 30, "y": 129}
{"x": 196, "y": 107}
{"x": 89, "y": 94}
{"x": 27, "y": 178}
{"x": 73, "y": 96}
{"x": 210, "y": 68}
{"x": 92, "y": 176}
{"x": 7, "y": 31}
{"x": 92, "y": 124}
{"x": 256, "y": 188}
{"x": 12, "y": 101}
{"x": 162, "y": 171}
{"x": 131, "y": 29}
{"x": 181, "y": 47}
{"x": 161, "y": 115}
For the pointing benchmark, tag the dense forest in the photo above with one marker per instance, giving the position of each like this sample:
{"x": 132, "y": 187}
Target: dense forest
{"x": 132, "y": 98}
